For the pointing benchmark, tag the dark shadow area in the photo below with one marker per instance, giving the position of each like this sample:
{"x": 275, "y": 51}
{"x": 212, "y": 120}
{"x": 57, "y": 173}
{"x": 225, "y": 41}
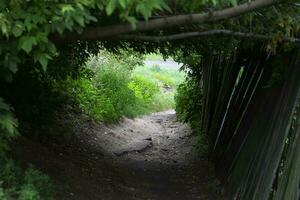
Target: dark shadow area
{"x": 151, "y": 157}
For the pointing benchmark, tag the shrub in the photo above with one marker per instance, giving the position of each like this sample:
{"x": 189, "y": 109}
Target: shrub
{"x": 112, "y": 82}
{"x": 143, "y": 88}
{"x": 29, "y": 184}
{"x": 105, "y": 94}
{"x": 29, "y": 192}
{"x": 118, "y": 86}
{"x": 188, "y": 101}
{"x": 188, "y": 107}
{"x": 89, "y": 98}
{"x": 8, "y": 126}
{"x": 166, "y": 79}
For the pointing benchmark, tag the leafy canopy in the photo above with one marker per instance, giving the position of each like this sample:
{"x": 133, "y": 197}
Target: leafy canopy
{"x": 25, "y": 26}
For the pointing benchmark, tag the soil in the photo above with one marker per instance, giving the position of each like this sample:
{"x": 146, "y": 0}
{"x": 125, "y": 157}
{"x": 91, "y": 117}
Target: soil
{"x": 148, "y": 158}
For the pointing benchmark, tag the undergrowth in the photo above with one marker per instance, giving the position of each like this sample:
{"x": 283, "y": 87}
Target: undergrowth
{"x": 28, "y": 184}
{"x": 119, "y": 85}
{"x": 188, "y": 108}
{"x": 15, "y": 182}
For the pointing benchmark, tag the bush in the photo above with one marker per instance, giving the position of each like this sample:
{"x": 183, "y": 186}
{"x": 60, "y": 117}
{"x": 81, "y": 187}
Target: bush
{"x": 105, "y": 95}
{"x": 29, "y": 184}
{"x": 188, "y": 101}
{"x": 144, "y": 89}
{"x": 112, "y": 82}
{"x": 90, "y": 99}
{"x": 8, "y": 126}
{"x": 166, "y": 79}
{"x": 188, "y": 107}
{"x": 116, "y": 86}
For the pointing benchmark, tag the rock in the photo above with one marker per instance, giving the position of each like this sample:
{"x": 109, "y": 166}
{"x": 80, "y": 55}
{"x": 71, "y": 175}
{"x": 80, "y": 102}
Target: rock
{"x": 149, "y": 139}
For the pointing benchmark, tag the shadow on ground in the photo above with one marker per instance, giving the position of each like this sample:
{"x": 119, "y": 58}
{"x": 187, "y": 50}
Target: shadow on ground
{"x": 149, "y": 158}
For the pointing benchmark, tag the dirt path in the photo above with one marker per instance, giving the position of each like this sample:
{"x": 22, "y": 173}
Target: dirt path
{"x": 149, "y": 158}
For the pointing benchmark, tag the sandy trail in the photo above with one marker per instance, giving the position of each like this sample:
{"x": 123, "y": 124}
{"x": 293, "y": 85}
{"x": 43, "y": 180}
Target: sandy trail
{"x": 149, "y": 158}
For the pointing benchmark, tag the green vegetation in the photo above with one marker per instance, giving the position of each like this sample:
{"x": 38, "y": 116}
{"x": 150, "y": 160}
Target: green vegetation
{"x": 154, "y": 56}
{"x": 15, "y": 182}
{"x": 104, "y": 95}
{"x": 120, "y": 86}
{"x": 166, "y": 79}
{"x": 189, "y": 103}
{"x": 29, "y": 184}
{"x": 8, "y": 127}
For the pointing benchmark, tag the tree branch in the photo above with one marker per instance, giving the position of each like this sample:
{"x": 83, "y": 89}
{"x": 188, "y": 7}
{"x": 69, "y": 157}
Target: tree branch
{"x": 181, "y": 36}
{"x": 96, "y": 33}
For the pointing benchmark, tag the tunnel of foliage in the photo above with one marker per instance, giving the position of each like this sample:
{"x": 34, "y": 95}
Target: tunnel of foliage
{"x": 241, "y": 96}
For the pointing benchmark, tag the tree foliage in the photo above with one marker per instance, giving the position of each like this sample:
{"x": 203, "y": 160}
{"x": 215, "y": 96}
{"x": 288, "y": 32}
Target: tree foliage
{"x": 26, "y": 26}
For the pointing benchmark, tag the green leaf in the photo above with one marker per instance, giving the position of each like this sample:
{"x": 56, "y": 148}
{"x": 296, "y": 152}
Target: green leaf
{"x": 92, "y": 18}
{"x": 18, "y": 29}
{"x": 123, "y": 3}
{"x": 132, "y": 21}
{"x": 233, "y": 2}
{"x": 146, "y": 12}
{"x": 10, "y": 62}
{"x": 165, "y": 6}
{"x": 79, "y": 19}
{"x": 27, "y": 42}
{"x": 13, "y": 67}
{"x": 44, "y": 62}
{"x": 67, "y": 8}
{"x": 8, "y": 123}
{"x": 42, "y": 58}
{"x": 4, "y": 25}
{"x": 111, "y": 6}
{"x": 215, "y": 2}
{"x": 3, "y": 106}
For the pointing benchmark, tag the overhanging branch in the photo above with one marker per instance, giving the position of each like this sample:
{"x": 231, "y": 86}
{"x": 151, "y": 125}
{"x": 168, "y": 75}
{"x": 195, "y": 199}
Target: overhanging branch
{"x": 181, "y": 36}
{"x": 96, "y": 33}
